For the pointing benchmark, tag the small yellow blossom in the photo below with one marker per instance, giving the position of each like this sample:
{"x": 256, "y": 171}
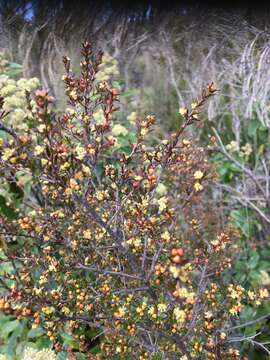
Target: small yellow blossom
{"x": 7, "y": 153}
{"x": 152, "y": 312}
{"x": 44, "y": 161}
{"x": 100, "y": 195}
{"x": 86, "y": 170}
{"x": 251, "y": 295}
{"x": 223, "y": 335}
{"x": 65, "y": 310}
{"x": 208, "y": 315}
{"x": 247, "y": 149}
{"x": 162, "y": 202}
{"x": 263, "y": 293}
{"x": 198, "y": 175}
{"x": 183, "y": 111}
{"x": 121, "y": 311}
{"x": 198, "y": 187}
{"x": 174, "y": 271}
{"x": 38, "y": 150}
{"x": 232, "y": 146}
{"x": 186, "y": 143}
{"x": 48, "y": 310}
{"x": 166, "y": 236}
{"x": 80, "y": 152}
{"x": 162, "y": 307}
{"x": 64, "y": 166}
{"x": 87, "y": 234}
{"x": 179, "y": 315}
{"x": 132, "y": 117}
{"x": 41, "y": 128}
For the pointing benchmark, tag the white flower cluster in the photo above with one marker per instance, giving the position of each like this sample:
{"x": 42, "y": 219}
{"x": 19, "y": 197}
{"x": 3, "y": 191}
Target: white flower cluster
{"x": 13, "y": 92}
{"x": 33, "y": 354}
{"x": 245, "y": 151}
{"x": 108, "y": 68}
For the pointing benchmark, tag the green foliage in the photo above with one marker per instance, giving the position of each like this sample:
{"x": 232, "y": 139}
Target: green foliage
{"x": 252, "y": 268}
{"x": 15, "y": 336}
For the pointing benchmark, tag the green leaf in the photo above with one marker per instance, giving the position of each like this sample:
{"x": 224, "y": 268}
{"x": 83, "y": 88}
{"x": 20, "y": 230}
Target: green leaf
{"x": 252, "y": 127}
{"x": 129, "y": 93}
{"x": 69, "y": 340}
{"x": 253, "y": 260}
{"x": 15, "y": 66}
{"x": 6, "y": 210}
{"x": 43, "y": 342}
{"x": 12, "y": 342}
{"x": 9, "y": 327}
{"x": 95, "y": 349}
{"x": 34, "y": 333}
{"x": 62, "y": 356}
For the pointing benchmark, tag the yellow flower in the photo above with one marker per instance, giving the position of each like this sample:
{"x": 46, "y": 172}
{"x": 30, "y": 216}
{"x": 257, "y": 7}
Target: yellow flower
{"x": 100, "y": 195}
{"x": 152, "y": 312}
{"x": 232, "y": 146}
{"x": 186, "y": 143}
{"x": 198, "y": 186}
{"x": 174, "y": 271}
{"x": 188, "y": 295}
{"x": 162, "y": 307}
{"x": 80, "y": 151}
{"x": 38, "y": 150}
{"x": 183, "y": 111}
{"x": 44, "y": 161}
{"x": 179, "y": 315}
{"x": 247, "y": 149}
{"x": 166, "y": 236}
{"x": 87, "y": 234}
{"x": 65, "y": 166}
{"x": 251, "y": 295}
{"x": 48, "y": 310}
{"x": 198, "y": 175}
{"x": 132, "y": 117}
{"x": 223, "y": 335}
{"x": 144, "y": 131}
{"x": 7, "y": 153}
{"x": 86, "y": 170}
{"x": 41, "y": 128}
{"x": 121, "y": 311}
{"x": 73, "y": 184}
{"x": 162, "y": 202}
{"x": 263, "y": 293}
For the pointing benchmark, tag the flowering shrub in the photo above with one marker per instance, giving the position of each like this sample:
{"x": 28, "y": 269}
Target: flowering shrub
{"x": 118, "y": 241}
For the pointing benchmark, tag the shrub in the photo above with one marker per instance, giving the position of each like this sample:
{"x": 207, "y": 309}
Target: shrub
{"x": 121, "y": 242}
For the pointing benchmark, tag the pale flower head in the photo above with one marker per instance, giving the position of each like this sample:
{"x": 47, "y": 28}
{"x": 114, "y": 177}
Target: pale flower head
{"x": 33, "y": 354}
{"x": 119, "y": 130}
